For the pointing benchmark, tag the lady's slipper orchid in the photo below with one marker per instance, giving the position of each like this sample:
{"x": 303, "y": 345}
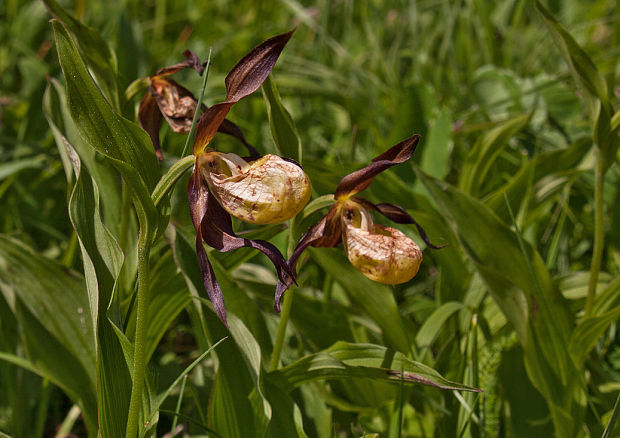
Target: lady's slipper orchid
{"x": 177, "y": 104}
{"x": 261, "y": 190}
{"x": 381, "y": 253}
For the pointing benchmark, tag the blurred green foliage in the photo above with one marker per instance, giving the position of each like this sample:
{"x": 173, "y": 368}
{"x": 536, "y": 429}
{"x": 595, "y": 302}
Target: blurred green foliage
{"x": 505, "y": 126}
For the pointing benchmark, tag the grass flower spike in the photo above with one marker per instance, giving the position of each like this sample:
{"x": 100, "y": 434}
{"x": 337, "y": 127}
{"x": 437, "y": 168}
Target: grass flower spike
{"x": 381, "y": 253}
{"x": 258, "y": 190}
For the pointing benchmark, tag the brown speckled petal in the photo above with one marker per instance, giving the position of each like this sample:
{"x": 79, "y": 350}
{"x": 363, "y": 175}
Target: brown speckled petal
{"x": 266, "y": 191}
{"x": 383, "y": 254}
{"x": 217, "y": 232}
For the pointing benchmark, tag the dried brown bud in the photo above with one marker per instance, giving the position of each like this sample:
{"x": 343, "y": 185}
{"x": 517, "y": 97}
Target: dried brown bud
{"x": 381, "y": 253}
{"x": 265, "y": 191}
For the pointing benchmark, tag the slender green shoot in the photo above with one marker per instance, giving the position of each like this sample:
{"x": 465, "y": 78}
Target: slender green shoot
{"x": 612, "y": 421}
{"x": 599, "y": 233}
{"x": 284, "y": 316}
{"x": 67, "y": 424}
{"x": 139, "y": 356}
{"x": 178, "y": 407}
{"x": 192, "y": 131}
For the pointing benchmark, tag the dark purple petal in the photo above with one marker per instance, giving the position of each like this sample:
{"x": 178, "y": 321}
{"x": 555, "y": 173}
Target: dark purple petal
{"x": 191, "y": 61}
{"x": 197, "y": 193}
{"x": 214, "y": 291}
{"x": 357, "y": 181}
{"x": 149, "y": 117}
{"x": 217, "y": 232}
{"x": 228, "y": 127}
{"x": 400, "y": 216}
{"x": 249, "y": 74}
{"x": 244, "y": 79}
{"x": 209, "y": 124}
{"x": 326, "y": 233}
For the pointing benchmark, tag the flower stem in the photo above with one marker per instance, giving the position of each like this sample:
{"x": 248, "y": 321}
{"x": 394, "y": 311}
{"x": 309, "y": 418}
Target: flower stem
{"x": 192, "y": 131}
{"x": 599, "y": 233}
{"x": 286, "y": 311}
{"x": 139, "y": 355}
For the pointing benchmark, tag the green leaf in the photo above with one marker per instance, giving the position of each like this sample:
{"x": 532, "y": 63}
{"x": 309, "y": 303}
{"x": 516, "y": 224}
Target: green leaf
{"x": 167, "y": 182}
{"x": 282, "y": 126}
{"x": 592, "y": 84}
{"x": 436, "y": 149}
{"x": 15, "y": 166}
{"x": 123, "y": 142}
{"x": 583, "y": 69}
{"x": 346, "y": 360}
{"x": 101, "y": 59}
{"x": 587, "y": 333}
{"x": 236, "y": 407}
{"x": 252, "y": 354}
{"x": 488, "y": 147}
{"x": 434, "y": 323}
{"x": 530, "y": 302}
{"x": 543, "y": 165}
{"x": 607, "y": 299}
{"x": 164, "y": 395}
{"x": 102, "y": 260}
{"x": 106, "y": 178}
{"x": 374, "y": 298}
{"x": 609, "y": 429}
{"x": 62, "y": 349}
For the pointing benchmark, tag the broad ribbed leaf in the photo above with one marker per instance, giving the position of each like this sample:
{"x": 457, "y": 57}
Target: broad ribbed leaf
{"x": 101, "y": 59}
{"x": 587, "y": 333}
{"x": 592, "y": 84}
{"x": 374, "y": 298}
{"x": 282, "y": 126}
{"x": 583, "y": 69}
{"x": 483, "y": 154}
{"x": 345, "y": 360}
{"x": 434, "y": 323}
{"x": 543, "y": 165}
{"x": 102, "y": 260}
{"x": 42, "y": 292}
{"x": 236, "y": 408}
{"x": 531, "y": 303}
{"x": 123, "y": 142}
{"x": 59, "y": 118}
{"x": 251, "y": 351}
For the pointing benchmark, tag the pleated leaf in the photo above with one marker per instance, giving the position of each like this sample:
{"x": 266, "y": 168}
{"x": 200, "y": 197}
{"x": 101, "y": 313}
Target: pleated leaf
{"x": 530, "y": 302}
{"x": 346, "y": 360}
{"x": 374, "y": 298}
{"x": 282, "y": 125}
{"x": 52, "y": 308}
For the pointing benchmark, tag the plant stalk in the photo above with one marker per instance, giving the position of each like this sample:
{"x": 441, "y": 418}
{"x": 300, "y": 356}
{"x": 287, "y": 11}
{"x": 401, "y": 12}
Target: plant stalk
{"x": 284, "y": 316}
{"x": 139, "y": 355}
{"x": 192, "y": 131}
{"x": 599, "y": 233}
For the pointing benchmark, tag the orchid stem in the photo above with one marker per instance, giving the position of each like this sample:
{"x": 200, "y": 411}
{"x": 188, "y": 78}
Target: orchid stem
{"x": 599, "y": 233}
{"x": 284, "y": 316}
{"x": 139, "y": 355}
{"x": 192, "y": 131}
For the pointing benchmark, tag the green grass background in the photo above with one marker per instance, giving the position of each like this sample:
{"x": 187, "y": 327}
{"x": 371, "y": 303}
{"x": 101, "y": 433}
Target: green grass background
{"x": 505, "y": 174}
